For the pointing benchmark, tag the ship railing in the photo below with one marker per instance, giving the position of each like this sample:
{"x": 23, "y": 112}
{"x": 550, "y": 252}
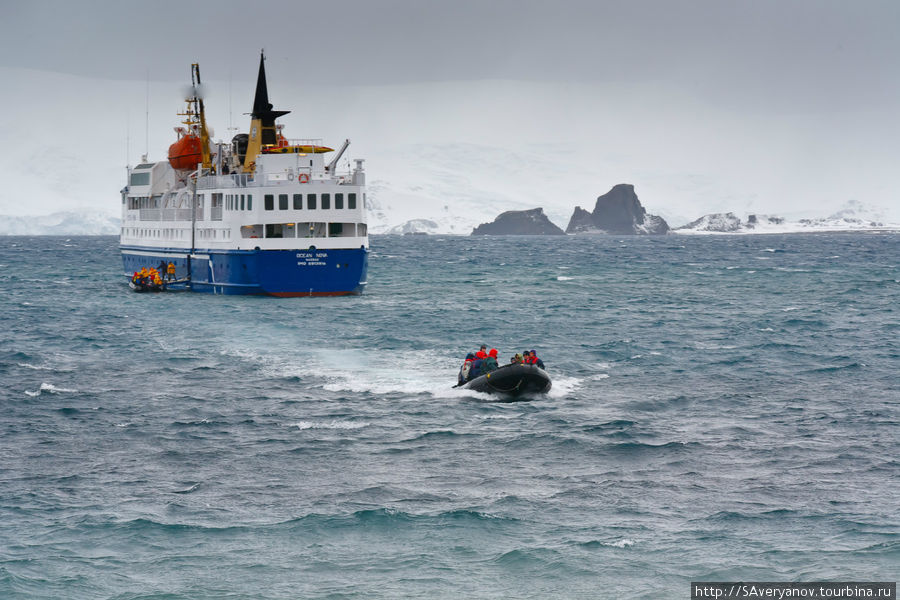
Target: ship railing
{"x": 233, "y": 180}
{"x": 169, "y": 214}
{"x": 304, "y": 142}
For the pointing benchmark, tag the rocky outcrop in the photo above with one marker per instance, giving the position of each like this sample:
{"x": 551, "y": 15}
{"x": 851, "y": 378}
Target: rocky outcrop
{"x": 619, "y": 212}
{"x": 729, "y": 223}
{"x": 519, "y": 222}
{"x": 414, "y": 226}
{"x": 715, "y": 223}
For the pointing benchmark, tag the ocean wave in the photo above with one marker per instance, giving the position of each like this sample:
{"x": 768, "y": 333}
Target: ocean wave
{"x": 328, "y": 425}
{"x": 622, "y": 543}
{"x": 49, "y": 388}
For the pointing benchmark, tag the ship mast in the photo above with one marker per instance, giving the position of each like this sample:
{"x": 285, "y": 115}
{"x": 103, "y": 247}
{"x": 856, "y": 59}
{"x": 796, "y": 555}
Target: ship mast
{"x": 204, "y": 132}
{"x": 262, "y": 123}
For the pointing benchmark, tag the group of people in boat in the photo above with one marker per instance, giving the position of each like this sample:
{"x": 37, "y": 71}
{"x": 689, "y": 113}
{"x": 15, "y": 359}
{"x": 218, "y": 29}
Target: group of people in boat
{"x": 147, "y": 277}
{"x": 150, "y": 277}
{"x": 484, "y": 361}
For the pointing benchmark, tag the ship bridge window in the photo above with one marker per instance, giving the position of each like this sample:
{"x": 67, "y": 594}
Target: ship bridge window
{"x": 282, "y": 201}
{"x": 249, "y": 202}
{"x": 339, "y": 201}
{"x": 326, "y": 201}
{"x": 311, "y": 201}
{"x": 140, "y": 179}
{"x": 351, "y": 201}
{"x": 298, "y": 201}
{"x": 269, "y": 201}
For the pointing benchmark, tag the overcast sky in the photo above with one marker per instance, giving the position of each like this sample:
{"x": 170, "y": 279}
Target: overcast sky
{"x": 704, "y": 104}
{"x": 782, "y": 53}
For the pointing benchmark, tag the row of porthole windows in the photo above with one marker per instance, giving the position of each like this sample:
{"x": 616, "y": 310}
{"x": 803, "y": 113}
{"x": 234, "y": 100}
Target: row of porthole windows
{"x": 177, "y": 234}
{"x": 162, "y": 234}
{"x": 313, "y": 201}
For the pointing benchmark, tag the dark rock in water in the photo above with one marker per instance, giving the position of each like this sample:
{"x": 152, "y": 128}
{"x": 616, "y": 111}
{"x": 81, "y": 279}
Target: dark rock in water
{"x": 520, "y": 222}
{"x": 618, "y": 211}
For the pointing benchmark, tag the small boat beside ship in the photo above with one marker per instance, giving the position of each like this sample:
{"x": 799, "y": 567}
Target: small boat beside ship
{"x": 262, "y": 214}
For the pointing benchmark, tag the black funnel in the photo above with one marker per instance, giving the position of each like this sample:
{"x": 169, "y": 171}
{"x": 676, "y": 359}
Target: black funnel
{"x": 262, "y": 110}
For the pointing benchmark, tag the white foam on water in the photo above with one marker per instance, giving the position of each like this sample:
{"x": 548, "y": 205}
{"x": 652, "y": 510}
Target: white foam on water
{"x": 623, "y": 543}
{"x": 563, "y": 386}
{"x": 600, "y": 376}
{"x": 35, "y": 367}
{"x": 564, "y": 278}
{"x": 49, "y": 388}
{"x": 790, "y": 308}
{"x": 328, "y": 425}
{"x": 766, "y": 329}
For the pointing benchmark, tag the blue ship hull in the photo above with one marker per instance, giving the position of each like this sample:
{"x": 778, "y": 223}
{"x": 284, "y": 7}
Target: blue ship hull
{"x": 286, "y": 273}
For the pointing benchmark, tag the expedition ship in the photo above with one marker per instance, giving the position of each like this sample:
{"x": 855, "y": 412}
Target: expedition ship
{"x": 260, "y": 215}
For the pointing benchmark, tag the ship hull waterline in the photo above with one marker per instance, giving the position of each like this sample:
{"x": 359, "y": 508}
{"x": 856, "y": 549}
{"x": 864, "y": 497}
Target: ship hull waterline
{"x": 281, "y": 273}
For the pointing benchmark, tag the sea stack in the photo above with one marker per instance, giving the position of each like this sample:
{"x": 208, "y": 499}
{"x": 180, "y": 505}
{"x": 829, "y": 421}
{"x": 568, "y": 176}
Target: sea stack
{"x": 618, "y": 212}
{"x": 520, "y": 222}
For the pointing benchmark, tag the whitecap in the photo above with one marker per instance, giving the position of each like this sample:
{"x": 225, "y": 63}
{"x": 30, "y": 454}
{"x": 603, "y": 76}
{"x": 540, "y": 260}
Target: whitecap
{"x": 563, "y": 278}
{"x": 766, "y": 329}
{"x": 328, "y": 425}
{"x": 50, "y": 388}
{"x": 623, "y": 543}
{"x": 600, "y": 376}
{"x": 790, "y": 308}
{"x": 35, "y": 367}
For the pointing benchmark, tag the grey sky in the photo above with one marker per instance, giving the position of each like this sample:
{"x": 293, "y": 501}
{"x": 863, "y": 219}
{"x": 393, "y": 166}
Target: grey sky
{"x": 778, "y": 54}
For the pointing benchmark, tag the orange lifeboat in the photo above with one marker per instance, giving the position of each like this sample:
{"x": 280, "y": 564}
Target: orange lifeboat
{"x": 186, "y": 153}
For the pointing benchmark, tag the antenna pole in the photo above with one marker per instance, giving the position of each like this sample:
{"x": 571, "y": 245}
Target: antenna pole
{"x": 147, "y": 117}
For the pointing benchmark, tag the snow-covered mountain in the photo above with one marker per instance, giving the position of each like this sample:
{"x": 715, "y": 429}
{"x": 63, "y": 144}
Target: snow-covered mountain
{"x": 61, "y": 223}
{"x": 853, "y": 216}
{"x": 445, "y": 157}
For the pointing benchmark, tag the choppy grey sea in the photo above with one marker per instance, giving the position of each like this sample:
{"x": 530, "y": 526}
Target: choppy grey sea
{"x": 723, "y": 408}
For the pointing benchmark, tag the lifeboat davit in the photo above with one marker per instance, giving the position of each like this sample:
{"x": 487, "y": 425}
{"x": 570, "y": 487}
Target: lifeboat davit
{"x": 186, "y": 153}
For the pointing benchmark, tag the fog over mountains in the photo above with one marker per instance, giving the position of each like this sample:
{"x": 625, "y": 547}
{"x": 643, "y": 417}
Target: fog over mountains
{"x": 449, "y": 156}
